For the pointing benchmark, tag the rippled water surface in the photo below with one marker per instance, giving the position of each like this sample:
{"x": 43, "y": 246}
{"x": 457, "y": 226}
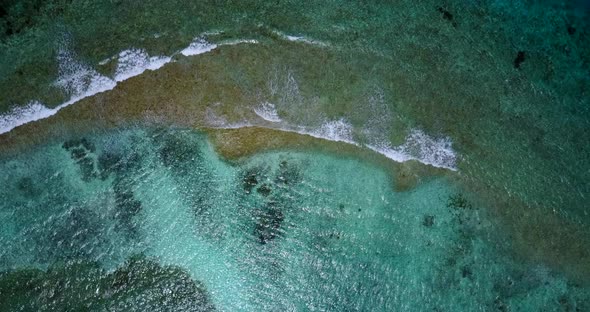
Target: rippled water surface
{"x": 315, "y": 156}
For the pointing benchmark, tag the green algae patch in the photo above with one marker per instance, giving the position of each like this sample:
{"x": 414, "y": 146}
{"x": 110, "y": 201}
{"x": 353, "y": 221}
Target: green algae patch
{"x": 141, "y": 284}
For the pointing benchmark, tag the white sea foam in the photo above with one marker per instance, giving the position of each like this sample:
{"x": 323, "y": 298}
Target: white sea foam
{"x": 198, "y": 46}
{"x": 106, "y": 61}
{"x": 238, "y": 41}
{"x": 134, "y": 62}
{"x": 302, "y": 39}
{"x": 334, "y": 130}
{"x": 423, "y": 148}
{"x": 212, "y": 33}
{"x": 267, "y": 111}
{"x": 25, "y": 114}
{"x": 78, "y": 79}
{"x": 437, "y": 152}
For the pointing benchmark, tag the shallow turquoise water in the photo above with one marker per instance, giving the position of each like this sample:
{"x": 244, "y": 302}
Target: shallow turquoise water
{"x": 280, "y": 230}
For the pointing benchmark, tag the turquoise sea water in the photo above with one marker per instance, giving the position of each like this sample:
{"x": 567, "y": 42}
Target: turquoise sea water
{"x": 112, "y": 199}
{"x": 280, "y": 230}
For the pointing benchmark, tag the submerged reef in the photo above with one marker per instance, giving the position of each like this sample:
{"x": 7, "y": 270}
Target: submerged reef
{"x": 276, "y": 185}
{"x": 80, "y": 151}
{"x": 141, "y": 284}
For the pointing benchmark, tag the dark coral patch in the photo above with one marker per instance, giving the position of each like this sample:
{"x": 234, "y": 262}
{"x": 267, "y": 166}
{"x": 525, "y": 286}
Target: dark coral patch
{"x": 447, "y": 16}
{"x": 268, "y": 223}
{"x": 458, "y": 201}
{"x": 250, "y": 180}
{"x": 264, "y": 190}
{"x": 288, "y": 174}
{"x": 428, "y": 221}
{"x": 140, "y": 285}
{"x": 80, "y": 151}
{"x": 520, "y": 57}
{"x": 127, "y": 206}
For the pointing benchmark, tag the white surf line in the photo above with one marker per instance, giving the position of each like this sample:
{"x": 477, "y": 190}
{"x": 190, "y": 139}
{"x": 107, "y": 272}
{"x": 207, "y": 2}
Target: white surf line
{"x": 82, "y": 81}
{"x": 268, "y": 112}
{"x": 445, "y": 159}
{"x": 134, "y": 62}
{"x": 418, "y": 145}
{"x": 24, "y": 114}
{"x": 301, "y": 39}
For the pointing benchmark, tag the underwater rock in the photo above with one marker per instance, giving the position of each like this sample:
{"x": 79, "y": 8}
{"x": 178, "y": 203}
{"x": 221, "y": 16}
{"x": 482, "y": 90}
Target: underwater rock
{"x": 126, "y": 205}
{"x": 139, "y": 285}
{"x": 428, "y": 221}
{"x": 571, "y": 30}
{"x": 264, "y": 190}
{"x": 466, "y": 272}
{"x": 458, "y": 201}
{"x": 84, "y": 143}
{"x": 447, "y": 16}
{"x": 250, "y": 180}
{"x": 75, "y": 236}
{"x": 499, "y": 305}
{"x": 177, "y": 150}
{"x": 108, "y": 163}
{"x": 268, "y": 223}
{"x": 27, "y": 187}
{"x": 520, "y": 57}
{"x": 288, "y": 174}
{"x": 79, "y": 152}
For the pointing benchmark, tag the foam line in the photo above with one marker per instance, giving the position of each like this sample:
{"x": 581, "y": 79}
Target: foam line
{"x": 300, "y": 39}
{"x": 134, "y": 62}
{"x": 24, "y": 114}
{"x": 198, "y": 46}
{"x": 419, "y": 146}
{"x": 268, "y": 112}
{"x": 80, "y": 80}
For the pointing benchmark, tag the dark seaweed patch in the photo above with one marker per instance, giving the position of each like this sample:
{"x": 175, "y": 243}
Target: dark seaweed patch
{"x": 108, "y": 163}
{"x": 19, "y": 15}
{"x": 27, "y": 187}
{"x": 80, "y": 151}
{"x": 176, "y": 150}
{"x": 571, "y": 30}
{"x": 520, "y": 57}
{"x": 288, "y": 174}
{"x": 79, "y": 143}
{"x": 264, "y": 190}
{"x": 76, "y": 236}
{"x": 268, "y": 223}
{"x": 250, "y": 180}
{"x": 140, "y": 284}
{"x": 87, "y": 168}
{"x": 428, "y": 221}
{"x": 458, "y": 201}
{"x": 466, "y": 272}
{"x": 126, "y": 205}
{"x": 447, "y": 16}
{"x": 119, "y": 164}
